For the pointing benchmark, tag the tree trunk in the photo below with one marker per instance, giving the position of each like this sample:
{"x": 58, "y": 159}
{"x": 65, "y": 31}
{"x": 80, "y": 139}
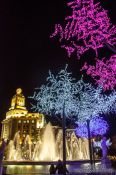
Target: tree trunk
{"x": 89, "y": 138}
{"x": 113, "y": 49}
{"x": 64, "y": 138}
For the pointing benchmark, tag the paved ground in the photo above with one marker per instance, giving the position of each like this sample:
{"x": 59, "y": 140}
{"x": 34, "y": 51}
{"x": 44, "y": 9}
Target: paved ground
{"x": 75, "y": 168}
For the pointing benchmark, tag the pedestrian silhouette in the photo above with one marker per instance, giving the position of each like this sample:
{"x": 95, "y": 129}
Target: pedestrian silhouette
{"x": 60, "y": 168}
{"x": 52, "y": 169}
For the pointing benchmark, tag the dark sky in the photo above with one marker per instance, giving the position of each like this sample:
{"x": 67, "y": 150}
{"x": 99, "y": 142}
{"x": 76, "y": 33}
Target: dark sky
{"x": 26, "y": 51}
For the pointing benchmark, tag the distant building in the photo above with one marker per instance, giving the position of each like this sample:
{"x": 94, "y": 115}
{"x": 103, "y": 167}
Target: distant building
{"x": 19, "y": 119}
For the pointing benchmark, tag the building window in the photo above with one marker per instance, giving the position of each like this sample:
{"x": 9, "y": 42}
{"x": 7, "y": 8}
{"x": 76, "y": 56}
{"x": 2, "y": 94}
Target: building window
{"x": 32, "y": 121}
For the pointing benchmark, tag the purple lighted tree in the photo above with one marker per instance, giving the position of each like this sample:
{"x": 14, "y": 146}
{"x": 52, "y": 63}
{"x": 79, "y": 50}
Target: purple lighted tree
{"x": 88, "y": 27}
{"x": 98, "y": 126}
{"x": 103, "y": 73}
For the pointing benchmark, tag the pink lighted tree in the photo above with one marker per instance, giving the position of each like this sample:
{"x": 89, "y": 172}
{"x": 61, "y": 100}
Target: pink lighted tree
{"x": 104, "y": 72}
{"x": 88, "y": 27}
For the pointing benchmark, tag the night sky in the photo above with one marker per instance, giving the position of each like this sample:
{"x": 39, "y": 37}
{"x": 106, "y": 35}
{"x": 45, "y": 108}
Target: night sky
{"x": 26, "y": 51}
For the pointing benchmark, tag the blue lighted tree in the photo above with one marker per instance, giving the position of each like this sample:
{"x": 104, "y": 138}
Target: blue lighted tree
{"x": 58, "y": 97}
{"x": 93, "y": 101}
{"x": 60, "y": 89}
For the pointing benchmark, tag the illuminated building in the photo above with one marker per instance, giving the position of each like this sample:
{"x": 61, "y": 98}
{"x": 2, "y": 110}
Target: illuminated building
{"x": 19, "y": 119}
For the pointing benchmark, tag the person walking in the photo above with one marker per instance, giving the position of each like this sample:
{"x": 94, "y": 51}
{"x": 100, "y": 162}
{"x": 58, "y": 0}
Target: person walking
{"x": 60, "y": 168}
{"x": 52, "y": 169}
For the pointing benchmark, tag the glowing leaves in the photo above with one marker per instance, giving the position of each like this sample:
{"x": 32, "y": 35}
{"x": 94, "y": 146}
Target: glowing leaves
{"x": 44, "y": 97}
{"x": 50, "y": 98}
{"x": 88, "y": 27}
{"x": 98, "y": 126}
{"x": 104, "y": 73}
{"x": 92, "y": 101}
{"x": 81, "y": 99}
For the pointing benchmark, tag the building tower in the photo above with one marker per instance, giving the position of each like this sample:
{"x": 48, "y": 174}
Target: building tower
{"x": 18, "y": 119}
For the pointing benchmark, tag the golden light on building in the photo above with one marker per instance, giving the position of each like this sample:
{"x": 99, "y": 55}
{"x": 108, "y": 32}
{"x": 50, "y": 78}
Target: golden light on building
{"x": 19, "y": 119}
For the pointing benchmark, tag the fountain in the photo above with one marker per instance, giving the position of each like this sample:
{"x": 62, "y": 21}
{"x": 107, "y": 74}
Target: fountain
{"x": 48, "y": 147}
